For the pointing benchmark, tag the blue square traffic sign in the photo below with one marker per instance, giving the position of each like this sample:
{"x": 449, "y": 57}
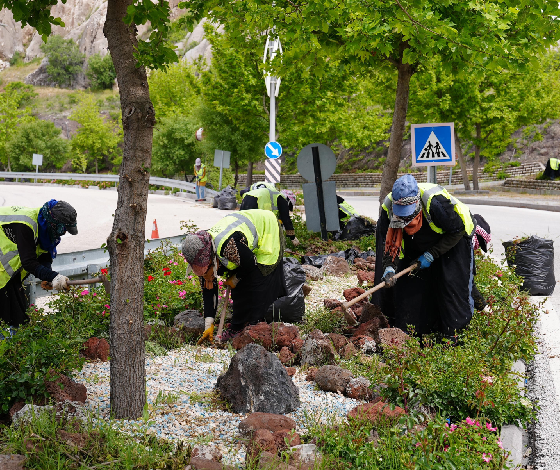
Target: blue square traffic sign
{"x": 432, "y": 144}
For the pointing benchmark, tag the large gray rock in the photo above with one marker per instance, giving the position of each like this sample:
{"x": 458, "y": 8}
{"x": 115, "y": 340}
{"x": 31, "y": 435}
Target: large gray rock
{"x": 333, "y": 379}
{"x": 257, "y": 381}
{"x": 28, "y": 412}
{"x": 40, "y": 77}
{"x": 192, "y": 321}
{"x": 12, "y": 462}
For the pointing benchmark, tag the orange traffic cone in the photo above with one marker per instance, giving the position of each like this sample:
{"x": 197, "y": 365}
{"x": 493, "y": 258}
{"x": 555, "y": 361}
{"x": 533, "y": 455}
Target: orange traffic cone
{"x": 155, "y": 233}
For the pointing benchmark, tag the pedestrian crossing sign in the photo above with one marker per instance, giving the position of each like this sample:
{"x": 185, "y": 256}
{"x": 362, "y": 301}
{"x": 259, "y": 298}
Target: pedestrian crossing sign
{"x": 432, "y": 144}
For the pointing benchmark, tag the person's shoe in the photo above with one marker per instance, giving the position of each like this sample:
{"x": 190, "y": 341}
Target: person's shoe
{"x": 228, "y": 335}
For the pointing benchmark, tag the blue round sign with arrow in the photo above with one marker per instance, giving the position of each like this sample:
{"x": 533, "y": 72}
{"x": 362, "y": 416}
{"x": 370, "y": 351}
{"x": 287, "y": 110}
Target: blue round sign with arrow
{"x": 273, "y": 150}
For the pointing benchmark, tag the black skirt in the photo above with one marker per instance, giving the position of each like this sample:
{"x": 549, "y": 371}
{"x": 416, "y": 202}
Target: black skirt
{"x": 14, "y": 302}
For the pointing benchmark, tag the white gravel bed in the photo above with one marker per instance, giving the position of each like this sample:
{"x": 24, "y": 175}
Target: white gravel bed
{"x": 330, "y": 287}
{"x": 190, "y": 374}
{"x": 544, "y": 389}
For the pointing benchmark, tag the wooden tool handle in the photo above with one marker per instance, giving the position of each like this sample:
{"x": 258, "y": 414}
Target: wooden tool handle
{"x": 223, "y": 317}
{"x": 81, "y": 282}
{"x": 378, "y": 286}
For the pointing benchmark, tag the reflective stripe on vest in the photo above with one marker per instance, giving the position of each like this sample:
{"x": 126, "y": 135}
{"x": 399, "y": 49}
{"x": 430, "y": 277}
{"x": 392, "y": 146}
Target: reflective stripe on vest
{"x": 10, "y": 262}
{"x": 261, "y": 230}
{"x": 262, "y": 184}
{"x": 347, "y": 209}
{"x": 554, "y": 164}
{"x": 267, "y": 199}
{"x": 199, "y": 174}
{"x": 427, "y": 192}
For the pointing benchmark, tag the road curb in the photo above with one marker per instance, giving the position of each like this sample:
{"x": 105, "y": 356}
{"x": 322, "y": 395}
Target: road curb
{"x": 519, "y": 205}
{"x": 511, "y": 435}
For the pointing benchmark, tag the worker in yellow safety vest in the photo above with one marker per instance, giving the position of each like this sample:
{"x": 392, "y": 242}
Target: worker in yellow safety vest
{"x": 246, "y": 248}
{"x": 424, "y": 224}
{"x": 281, "y": 203}
{"x": 28, "y": 240}
{"x": 200, "y": 178}
{"x": 552, "y": 170}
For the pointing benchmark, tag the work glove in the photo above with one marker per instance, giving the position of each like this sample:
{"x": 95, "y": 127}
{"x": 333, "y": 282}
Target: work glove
{"x": 425, "y": 260}
{"x": 295, "y": 241}
{"x": 232, "y": 281}
{"x": 46, "y": 285}
{"x": 208, "y": 334}
{"x": 60, "y": 282}
{"x": 388, "y": 275}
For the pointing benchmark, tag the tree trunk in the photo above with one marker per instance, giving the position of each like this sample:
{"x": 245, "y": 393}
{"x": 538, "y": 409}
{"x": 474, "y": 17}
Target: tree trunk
{"x": 249, "y": 180}
{"x": 476, "y": 157}
{"x": 236, "y": 174}
{"x": 126, "y": 240}
{"x": 391, "y": 166}
{"x": 9, "y": 167}
{"x": 96, "y": 167}
{"x": 462, "y": 164}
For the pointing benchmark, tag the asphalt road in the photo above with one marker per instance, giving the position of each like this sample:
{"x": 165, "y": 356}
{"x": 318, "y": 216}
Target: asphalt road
{"x": 96, "y": 208}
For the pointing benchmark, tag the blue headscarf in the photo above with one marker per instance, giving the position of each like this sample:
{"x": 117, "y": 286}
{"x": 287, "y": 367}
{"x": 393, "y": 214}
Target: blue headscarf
{"x": 50, "y": 229}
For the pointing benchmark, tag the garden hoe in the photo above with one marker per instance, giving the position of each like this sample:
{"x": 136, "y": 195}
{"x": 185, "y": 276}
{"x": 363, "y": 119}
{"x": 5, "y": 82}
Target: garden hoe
{"x": 345, "y": 305}
{"x": 222, "y": 319}
{"x": 82, "y": 282}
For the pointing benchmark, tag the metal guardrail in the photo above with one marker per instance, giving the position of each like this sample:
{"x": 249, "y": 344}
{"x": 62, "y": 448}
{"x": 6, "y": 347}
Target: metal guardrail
{"x": 190, "y": 187}
{"x": 85, "y": 264}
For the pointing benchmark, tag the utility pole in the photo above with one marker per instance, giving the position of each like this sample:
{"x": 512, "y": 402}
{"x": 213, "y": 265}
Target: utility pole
{"x": 272, "y": 165}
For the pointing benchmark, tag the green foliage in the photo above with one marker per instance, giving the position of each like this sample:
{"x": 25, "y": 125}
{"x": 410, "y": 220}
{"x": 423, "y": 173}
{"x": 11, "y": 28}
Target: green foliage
{"x": 101, "y": 71}
{"x": 41, "y": 137}
{"x": 43, "y": 441}
{"x": 65, "y": 59}
{"x": 17, "y": 59}
{"x": 47, "y": 345}
{"x": 166, "y": 291}
{"x": 323, "y": 319}
{"x": 431, "y": 445}
{"x": 97, "y": 138}
{"x": 13, "y": 112}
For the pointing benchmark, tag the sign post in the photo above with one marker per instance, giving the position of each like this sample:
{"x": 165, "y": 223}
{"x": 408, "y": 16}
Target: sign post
{"x": 432, "y": 145}
{"x": 317, "y": 162}
{"x": 37, "y": 161}
{"x": 272, "y": 168}
{"x": 221, "y": 159}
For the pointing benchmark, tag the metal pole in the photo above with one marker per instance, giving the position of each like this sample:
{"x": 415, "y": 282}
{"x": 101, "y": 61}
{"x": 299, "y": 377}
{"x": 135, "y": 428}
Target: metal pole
{"x": 450, "y": 174}
{"x": 272, "y": 133}
{"x": 221, "y": 168}
{"x": 432, "y": 178}
{"x": 36, "y": 171}
{"x": 320, "y": 199}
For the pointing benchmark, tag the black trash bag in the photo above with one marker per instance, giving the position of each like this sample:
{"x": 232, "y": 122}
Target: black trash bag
{"x": 227, "y": 203}
{"x": 318, "y": 260}
{"x": 291, "y": 307}
{"x": 351, "y": 254}
{"x": 533, "y": 259}
{"x": 366, "y": 254}
{"x": 215, "y": 201}
{"x": 356, "y": 227}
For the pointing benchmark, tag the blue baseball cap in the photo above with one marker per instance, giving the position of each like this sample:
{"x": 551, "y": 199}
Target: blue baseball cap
{"x": 405, "y": 196}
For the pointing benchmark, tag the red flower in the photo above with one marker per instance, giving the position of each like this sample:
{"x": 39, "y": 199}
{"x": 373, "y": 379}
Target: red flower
{"x": 179, "y": 283}
{"x": 150, "y": 278}
{"x": 166, "y": 269}
{"x": 104, "y": 272}
{"x": 167, "y": 273}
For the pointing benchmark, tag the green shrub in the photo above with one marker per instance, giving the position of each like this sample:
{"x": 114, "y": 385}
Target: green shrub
{"x": 65, "y": 59}
{"x": 17, "y": 59}
{"x": 502, "y": 175}
{"x": 101, "y": 71}
{"x": 323, "y": 319}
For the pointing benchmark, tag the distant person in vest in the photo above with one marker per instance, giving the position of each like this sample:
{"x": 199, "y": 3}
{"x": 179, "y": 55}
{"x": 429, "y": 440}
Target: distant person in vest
{"x": 423, "y": 223}
{"x": 246, "y": 248}
{"x": 28, "y": 239}
{"x": 552, "y": 170}
{"x": 281, "y": 203}
{"x": 200, "y": 179}
{"x": 345, "y": 211}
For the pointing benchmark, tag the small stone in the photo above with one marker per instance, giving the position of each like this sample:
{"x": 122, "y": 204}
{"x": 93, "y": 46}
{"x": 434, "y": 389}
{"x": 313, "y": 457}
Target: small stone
{"x": 306, "y": 289}
{"x": 392, "y": 337}
{"x": 352, "y": 293}
{"x": 332, "y": 379}
{"x": 338, "y": 341}
{"x": 286, "y": 357}
{"x": 364, "y": 343}
{"x": 310, "y": 377}
{"x": 286, "y": 438}
{"x": 331, "y": 304}
{"x": 271, "y": 422}
{"x": 335, "y": 266}
{"x": 305, "y": 454}
{"x": 348, "y": 351}
{"x": 358, "y": 388}
{"x": 373, "y": 411}
{"x": 369, "y": 312}
{"x": 191, "y": 321}
{"x": 291, "y": 371}
{"x": 367, "y": 277}
{"x": 207, "y": 451}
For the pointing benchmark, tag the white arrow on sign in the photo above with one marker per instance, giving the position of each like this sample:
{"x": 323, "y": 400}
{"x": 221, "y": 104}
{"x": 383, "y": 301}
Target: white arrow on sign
{"x": 273, "y": 151}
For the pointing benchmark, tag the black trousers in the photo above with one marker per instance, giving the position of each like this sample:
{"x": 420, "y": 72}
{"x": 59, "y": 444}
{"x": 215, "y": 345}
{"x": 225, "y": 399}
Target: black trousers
{"x": 13, "y": 302}
{"x": 254, "y": 294}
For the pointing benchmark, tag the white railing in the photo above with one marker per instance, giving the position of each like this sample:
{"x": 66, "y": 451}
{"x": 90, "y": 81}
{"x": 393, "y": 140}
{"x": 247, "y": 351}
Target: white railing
{"x": 171, "y": 183}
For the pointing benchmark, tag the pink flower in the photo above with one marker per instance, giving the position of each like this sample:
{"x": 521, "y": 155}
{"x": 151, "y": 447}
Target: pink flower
{"x": 107, "y": 306}
{"x": 487, "y": 457}
{"x": 470, "y": 422}
{"x": 446, "y": 449}
{"x": 84, "y": 292}
{"x": 453, "y": 427}
{"x": 490, "y": 428}
{"x": 182, "y": 293}
{"x": 418, "y": 444}
{"x": 94, "y": 294}
{"x": 500, "y": 444}
{"x": 175, "y": 263}
{"x": 489, "y": 380}
{"x": 483, "y": 438}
